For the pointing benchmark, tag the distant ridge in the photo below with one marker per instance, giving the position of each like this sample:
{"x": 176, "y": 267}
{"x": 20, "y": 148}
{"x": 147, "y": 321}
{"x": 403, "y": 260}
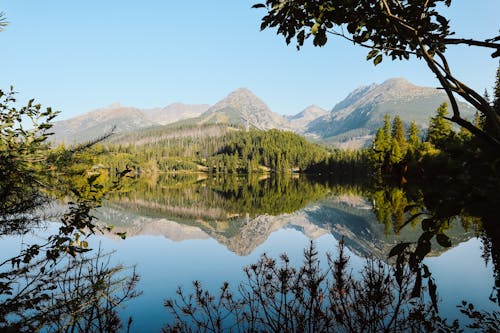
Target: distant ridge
{"x": 356, "y": 118}
{"x": 351, "y": 123}
{"x": 95, "y": 123}
{"x": 175, "y": 112}
{"x": 299, "y": 121}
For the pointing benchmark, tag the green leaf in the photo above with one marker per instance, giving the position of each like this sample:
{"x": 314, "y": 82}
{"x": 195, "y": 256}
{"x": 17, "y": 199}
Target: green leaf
{"x": 398, "y": 249}
{"x": 377, "y": 60}
{"x": 122, "y": 235}
{"x": 443, "y": 240}
{"x": 372, "y": 54}
{"x": 427, "y": 224}
{"x": 423, "y": 248}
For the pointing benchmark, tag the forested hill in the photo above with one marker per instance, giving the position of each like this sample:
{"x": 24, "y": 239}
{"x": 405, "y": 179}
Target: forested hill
{"x": 213, "y": 148}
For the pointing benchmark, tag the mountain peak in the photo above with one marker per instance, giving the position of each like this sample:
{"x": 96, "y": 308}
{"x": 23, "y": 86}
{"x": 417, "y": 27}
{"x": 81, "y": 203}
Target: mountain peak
{"x": 243, "y": 90}
{"x": 115, "y": 105}
{"x": 309, "y": 113}
{"x": 396, "y": 81}
{"x": 401, "y": 84}
{"x": 243, "y": 99}
{"x": 243, "y": 107}
{"x": 363, "y": 110}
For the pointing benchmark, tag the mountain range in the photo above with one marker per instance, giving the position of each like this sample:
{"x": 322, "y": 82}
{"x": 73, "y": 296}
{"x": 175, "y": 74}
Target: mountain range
{"x": 350, "y": 123}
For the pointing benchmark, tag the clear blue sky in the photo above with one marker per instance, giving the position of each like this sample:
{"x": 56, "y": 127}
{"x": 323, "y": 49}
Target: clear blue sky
{"x": 80, "y": 55}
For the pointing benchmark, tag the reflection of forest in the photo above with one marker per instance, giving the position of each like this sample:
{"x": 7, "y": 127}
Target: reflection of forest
{"x": 241, "y": 212}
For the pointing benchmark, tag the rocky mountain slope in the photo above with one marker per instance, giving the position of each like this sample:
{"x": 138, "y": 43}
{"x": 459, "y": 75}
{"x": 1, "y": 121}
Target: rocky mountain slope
{"x": 351, "y": 123}
{"x": 300, "y": 121}
{"x": 362, "y": 111}
{"x": 241, "y": 107}
{"x": 99, "y": 122}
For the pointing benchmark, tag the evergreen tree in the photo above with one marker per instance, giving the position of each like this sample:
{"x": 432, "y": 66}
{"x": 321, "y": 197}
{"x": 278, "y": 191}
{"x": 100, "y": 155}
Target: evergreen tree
{"x": 496, "y": 93}
{"x": 379, "y": 146}
{"x": 387, "y": 129}
{"x": 439, "y": 128}
{"x": 414, "y": 136}
{"x": 396, "y": 154}
{"x": 398, "y": 134}
{"x": 479, "y": 120}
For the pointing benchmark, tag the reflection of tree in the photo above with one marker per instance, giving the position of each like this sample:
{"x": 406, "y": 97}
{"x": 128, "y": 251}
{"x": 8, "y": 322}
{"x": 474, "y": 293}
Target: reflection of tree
{"x": 222, "y": 197}
{"x": 79, "y": 294}
{"x": 277, "y": 297}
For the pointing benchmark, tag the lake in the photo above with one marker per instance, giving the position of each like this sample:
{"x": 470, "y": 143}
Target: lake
{"x": 182, "y": 228}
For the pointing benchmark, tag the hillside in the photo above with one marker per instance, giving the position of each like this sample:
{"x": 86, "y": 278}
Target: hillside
{"x": 362, "y": 111}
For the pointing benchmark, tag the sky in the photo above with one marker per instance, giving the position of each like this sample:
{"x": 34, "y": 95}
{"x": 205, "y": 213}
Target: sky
{"x": 76, "y": 56}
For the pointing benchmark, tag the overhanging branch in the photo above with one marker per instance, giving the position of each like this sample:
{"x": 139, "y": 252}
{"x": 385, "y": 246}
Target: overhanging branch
{"x": 489, "y": 43}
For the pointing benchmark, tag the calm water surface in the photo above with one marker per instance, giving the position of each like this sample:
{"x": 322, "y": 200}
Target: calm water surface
{"x": 185, "y": 229}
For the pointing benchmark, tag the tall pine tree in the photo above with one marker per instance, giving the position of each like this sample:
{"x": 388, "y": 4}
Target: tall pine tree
{"x": 398, "y": 134}
{"x": 439, "y": 128}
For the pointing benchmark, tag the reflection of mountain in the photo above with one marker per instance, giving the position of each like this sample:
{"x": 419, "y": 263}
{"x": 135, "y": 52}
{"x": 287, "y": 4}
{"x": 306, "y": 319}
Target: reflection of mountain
{"x": 256, "y": 231}
{"x": 250, "y": 234}
{"x": 135, "y": 225}
{"x": 351, "y": 218}
{"x": 232, "y": 211}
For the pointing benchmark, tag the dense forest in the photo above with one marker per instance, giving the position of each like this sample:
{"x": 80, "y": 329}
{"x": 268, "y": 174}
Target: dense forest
{"x": 230, "y": 150}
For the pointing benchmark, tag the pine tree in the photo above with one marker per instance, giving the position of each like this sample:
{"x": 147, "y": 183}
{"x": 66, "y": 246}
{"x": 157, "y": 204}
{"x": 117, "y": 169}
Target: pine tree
{"x": 379, "y": 146}
{"x": 439, "y": 128}
{"x": 414, "y": 135}
{"x": 488, "y": 123}
{"x": 396, "y": 154}
{"x": 489, "y": 127}
{"x": 398, "y": 134}
{"x": 496, "y": 93}
{"x": 387, "y": 129}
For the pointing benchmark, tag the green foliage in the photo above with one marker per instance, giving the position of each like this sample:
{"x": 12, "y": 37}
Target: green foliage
{"x": 414, "y": 139}
{"x": 23, "y": 152}
{"x": 234, "y": 151}
{"x": 218, "y": 203}
{"x": 395, "y": 29}
{"x": 391, "y": 151}
{"x": 389, "y": 27}
{"x": 398, "y": 134}
{"x": 3, "y": 21}
{"x": 38, "y": 293}
{"x": 440, "y": 128}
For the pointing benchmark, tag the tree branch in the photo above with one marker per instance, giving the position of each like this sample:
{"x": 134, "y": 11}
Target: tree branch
{"x": 489, "y": 43}
{"x": 431, "y": 63}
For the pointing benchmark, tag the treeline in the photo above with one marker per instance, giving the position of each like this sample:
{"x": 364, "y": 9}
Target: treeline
{"x": 232, "y": 151}
{"x": 403, "y": 154}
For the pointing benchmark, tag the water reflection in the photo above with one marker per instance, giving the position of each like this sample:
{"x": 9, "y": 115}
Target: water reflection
{"x": 220, "y": 224}
{"x": 241, "y": 212}
{"x": 81, "y": 294}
